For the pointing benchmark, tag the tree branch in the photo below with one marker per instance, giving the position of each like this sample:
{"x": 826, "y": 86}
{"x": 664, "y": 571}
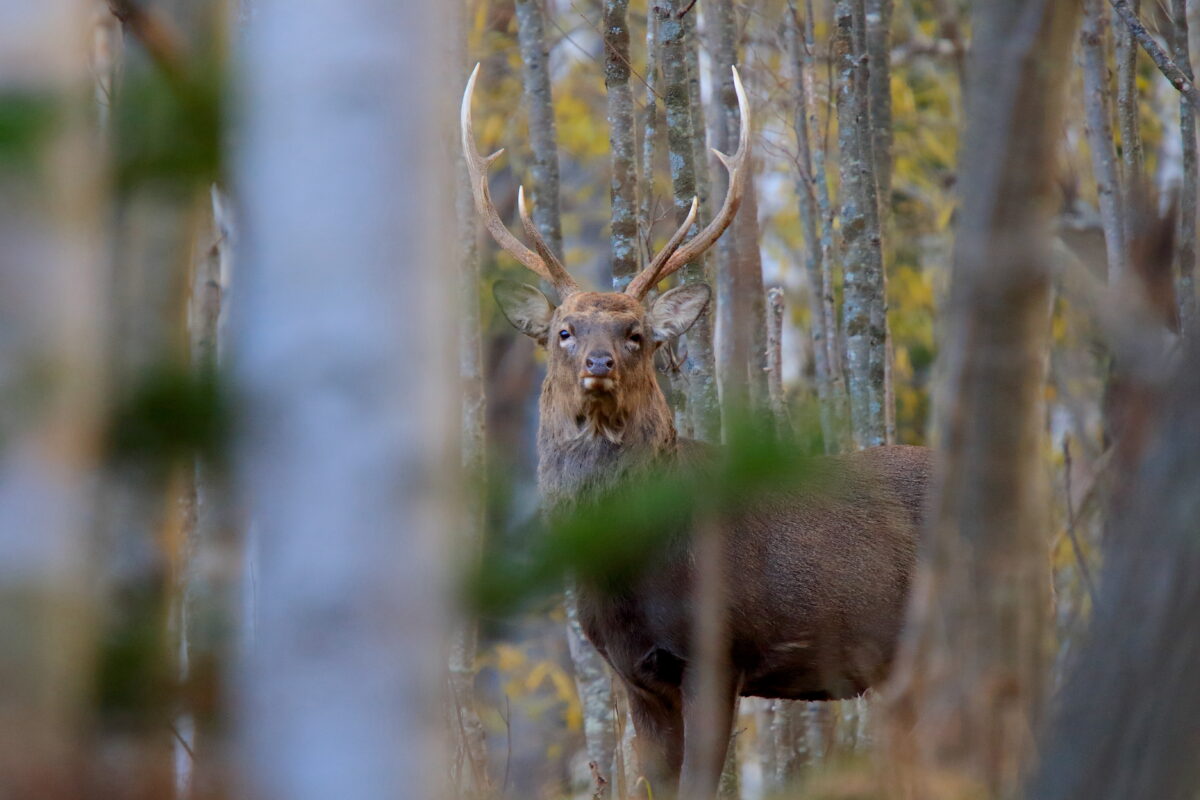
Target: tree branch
{"x": 1170, "y": 70}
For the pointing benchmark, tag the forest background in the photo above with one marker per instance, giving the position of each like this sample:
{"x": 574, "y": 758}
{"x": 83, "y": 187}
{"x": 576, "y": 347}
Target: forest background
{"x": 245, "y": 294}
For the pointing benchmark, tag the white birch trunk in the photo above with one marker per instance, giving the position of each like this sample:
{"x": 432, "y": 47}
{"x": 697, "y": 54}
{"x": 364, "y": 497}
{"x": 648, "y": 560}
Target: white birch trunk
{"x": 343, "y": 339}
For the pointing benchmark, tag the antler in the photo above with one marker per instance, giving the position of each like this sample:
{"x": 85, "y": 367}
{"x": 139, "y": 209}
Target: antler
{"x": 672, "y": 256}
{"x": 546, "y": 265}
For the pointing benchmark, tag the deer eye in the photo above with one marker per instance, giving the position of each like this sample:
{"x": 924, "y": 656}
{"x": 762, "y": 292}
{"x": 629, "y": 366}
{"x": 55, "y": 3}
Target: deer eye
{"x": 564, "y": 334}
{"x": 635, "y": 337}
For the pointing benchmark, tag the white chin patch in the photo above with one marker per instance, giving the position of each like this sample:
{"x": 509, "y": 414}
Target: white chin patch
{"x": 597, "y": 384}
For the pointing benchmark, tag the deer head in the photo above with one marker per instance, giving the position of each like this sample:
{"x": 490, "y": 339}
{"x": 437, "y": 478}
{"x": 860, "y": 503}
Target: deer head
{"x": 601, "y": 344}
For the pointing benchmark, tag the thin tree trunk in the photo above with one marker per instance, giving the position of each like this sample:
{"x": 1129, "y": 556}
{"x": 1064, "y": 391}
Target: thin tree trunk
{"x": 1129, "y": 111}
{"x": 741, "y": 307}
{"x": 208, "y": 577}
{"x": 1098, "y": 108}
{"x": 879, "y": 83}
{"x": 971, "y": 670}
{"x": 776, "y": 308}
{"x": 1187, "y": 196}
{"x": 347, "y": 370}
{"x": 877, "y": 22}
{"x": 594, "y": 684}
{"x": 862, "y": 261}
{"x": 472, "y": 746}
{"x": 701, "y": 378}
{"x": 623, "y": 149}
{"x": 543, "y": 134}
{"x": 649, "y": 133}
{"x": 591, "y": 674}
{"x": 678, "y": 378}
{"x": 51, "y": 328}
{"x": 811, "y": 186}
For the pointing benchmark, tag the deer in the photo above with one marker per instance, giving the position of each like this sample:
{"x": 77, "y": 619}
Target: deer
{"x": 816, "y": 579}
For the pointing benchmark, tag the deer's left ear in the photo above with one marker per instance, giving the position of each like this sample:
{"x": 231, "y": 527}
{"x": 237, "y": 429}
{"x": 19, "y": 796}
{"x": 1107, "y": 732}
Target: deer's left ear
{"x": 677, "y": 310}
{"x": 525, "y": 307}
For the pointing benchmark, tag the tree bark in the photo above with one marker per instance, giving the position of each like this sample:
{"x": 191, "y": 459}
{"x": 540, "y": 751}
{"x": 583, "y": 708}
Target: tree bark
{"x": 470, "y": 734}
{"x": 207, "y": 596}
{"x": 812, "y": 191}
{"x": 543, "y": 134}
{"x": 1128, "y": 109}
{"x": 879, "y": 85}
{"x": 51, "y": 328}
{"x": 673, "y": 58}
{"x": 623, "y": 149}
{"x": 1171, "y": 70}
{"x": 1140, "y": 653}
{"x": 1098, "y": 108}
{"x": 347, "y": 369}
{"x": 865, "y": 303}
{"x": 971, "y": 670}
{"x": 741, "y": 302}
{"x": 1188, "y": 192}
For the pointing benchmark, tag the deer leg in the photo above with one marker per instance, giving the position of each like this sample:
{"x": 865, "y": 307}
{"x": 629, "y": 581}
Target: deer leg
{"x": 658, "y": 722}
{"x": 706, "y": 733}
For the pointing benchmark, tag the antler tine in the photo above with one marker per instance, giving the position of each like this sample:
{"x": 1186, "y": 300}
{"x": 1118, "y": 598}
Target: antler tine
{"x": 548, "y": 268}
{"x": 539, "y": 243}
{"x": 672, "y": 257}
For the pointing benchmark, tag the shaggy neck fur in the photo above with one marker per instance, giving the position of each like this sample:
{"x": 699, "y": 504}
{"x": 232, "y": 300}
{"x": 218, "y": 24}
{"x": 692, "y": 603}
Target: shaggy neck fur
{"x": 588, "y": 442}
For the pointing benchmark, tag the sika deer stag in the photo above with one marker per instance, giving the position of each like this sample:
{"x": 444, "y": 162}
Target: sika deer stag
{"x": 816, "y": 578}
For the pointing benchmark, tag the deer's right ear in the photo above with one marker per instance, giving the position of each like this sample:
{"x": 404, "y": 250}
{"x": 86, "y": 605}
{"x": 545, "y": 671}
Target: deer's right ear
{"x": 525, "y": 307}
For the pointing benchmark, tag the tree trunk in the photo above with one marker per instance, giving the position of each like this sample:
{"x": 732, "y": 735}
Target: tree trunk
{"x": 1140, "y": 654}
{"x": 741, "y": 307}
{"x": 543, "y": 134}
{"x": 812, "y": 191}
{"x": 1128, "y": 109}
{"x": 1098, "y": 107}
{"x": 51, "y": 327}
{"x": 206, "y": 597}
{"x": 623, "y": 187}
{"x": 673, "y": 58}
{"x": 1188, "y": 192}
{"x": 346, "y": 366}
{"x": 865, "y": 304}
{"x": 471, "y": 749}
{"x": 971, "y": 671}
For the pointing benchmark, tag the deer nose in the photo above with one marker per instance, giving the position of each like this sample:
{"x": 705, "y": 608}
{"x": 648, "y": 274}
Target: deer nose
{"x": 599, "y": 364}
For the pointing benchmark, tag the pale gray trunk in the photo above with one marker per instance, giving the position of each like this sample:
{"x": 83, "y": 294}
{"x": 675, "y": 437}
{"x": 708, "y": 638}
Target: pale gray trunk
{"x": 673, "y": 59}
{"x": 1128, "y": 109}
{"x": 971, "y": 671}
{"x": 209, "y": 571}
{"x": 1188, "y": 192}
{"x": 812, "y": 191}
{"x": 543, "y": 134}
{"x": 741, "y": 306}
{"x": 345, "y": 362}
{"x": 649, "y": 136}
{"x": 51, "y": 334}
{"x": 865, "y": 307}
{"x": 1098, "y": 109}
{"x": 594, "y": 684}
{"x": 591, "y": 675}
{"x": 776, "y": 309}
{"x": 470, "y": 758}
{"x": 879, "y": 96}
{"x": 623, "y": 187}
